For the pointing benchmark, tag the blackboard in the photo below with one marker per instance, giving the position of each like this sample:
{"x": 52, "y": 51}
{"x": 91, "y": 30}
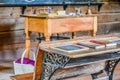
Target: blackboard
{"x": 42, "y": 1}
{"x": 64, "y": 3}
{"x": 31, "y": 1}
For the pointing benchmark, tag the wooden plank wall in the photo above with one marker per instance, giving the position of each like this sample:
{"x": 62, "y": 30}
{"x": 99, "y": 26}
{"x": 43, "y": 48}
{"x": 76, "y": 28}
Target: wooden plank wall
{"x": 12, "y": 36}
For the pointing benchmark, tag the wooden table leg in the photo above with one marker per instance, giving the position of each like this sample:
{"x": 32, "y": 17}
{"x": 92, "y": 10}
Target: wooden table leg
{"x": 27, "y": 45}
{"x": 38, "y": 65}
{"x": 93, "y": 33}
{"x": 47, "y": 37}
{"x": 73, "y": 35}
{"x": 27, "y": 38}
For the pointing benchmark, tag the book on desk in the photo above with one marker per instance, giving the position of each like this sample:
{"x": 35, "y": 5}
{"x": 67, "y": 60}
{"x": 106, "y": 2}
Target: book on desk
{"x": 91, "y": 45}
{"x": 106, "y": 43}
{"x": 116, "y": 40}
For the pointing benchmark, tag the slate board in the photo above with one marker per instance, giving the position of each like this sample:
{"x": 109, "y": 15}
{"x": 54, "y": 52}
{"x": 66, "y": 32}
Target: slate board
{"x": 69, "y": 48}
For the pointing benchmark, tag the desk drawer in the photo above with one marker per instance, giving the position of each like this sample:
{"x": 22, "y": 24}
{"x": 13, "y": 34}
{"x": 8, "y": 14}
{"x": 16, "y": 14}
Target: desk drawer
{"x": 72, "y": 24}
{"x": 36, "y": 25}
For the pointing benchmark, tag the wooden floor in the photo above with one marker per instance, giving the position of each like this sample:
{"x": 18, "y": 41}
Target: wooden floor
{"x": 6, "y": 70}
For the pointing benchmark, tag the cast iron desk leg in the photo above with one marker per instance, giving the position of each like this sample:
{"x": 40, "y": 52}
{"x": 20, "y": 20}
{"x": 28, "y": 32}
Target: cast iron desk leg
{"x": 95, "y": 75}
{"x": 110, "y": 67}
{"x": 52, "y": 62}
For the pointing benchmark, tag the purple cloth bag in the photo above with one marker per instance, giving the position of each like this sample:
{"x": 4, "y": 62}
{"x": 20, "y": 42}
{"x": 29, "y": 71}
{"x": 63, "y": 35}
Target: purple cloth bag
{"x": 26, "y": 61}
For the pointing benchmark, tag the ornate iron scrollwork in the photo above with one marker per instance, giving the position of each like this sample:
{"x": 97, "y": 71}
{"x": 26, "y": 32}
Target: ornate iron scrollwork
{"x": 110, "y": 67}
{"x": 52, "y": 62}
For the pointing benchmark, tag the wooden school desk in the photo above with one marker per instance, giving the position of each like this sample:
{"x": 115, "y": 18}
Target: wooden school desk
{"x": 49, "y": 60}
{"x": 61, "y": 24}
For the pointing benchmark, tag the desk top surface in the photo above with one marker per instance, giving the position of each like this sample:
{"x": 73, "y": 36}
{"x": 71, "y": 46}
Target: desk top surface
{"x": 36, "y": 16}
{"x": 46, "y": 47}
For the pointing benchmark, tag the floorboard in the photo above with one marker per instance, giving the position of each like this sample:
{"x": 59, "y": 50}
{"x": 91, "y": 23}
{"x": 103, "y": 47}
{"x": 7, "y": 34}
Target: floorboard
{"x": 6, "y": 70}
